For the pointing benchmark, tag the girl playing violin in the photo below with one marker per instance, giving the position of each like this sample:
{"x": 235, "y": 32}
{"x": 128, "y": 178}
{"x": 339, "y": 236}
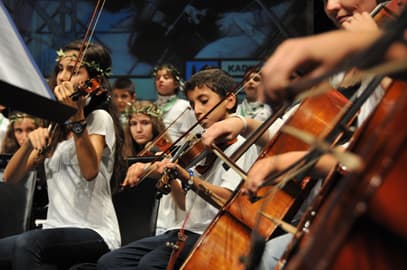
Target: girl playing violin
{"x": 204, "y": 90}
{"x": 144, "y": 125}
{"x": 80, "y": 159}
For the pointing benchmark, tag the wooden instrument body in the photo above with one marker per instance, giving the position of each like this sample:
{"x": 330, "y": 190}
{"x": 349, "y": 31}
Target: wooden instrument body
{"x": 362, "y": 224}
{"x": 227, "y": 238}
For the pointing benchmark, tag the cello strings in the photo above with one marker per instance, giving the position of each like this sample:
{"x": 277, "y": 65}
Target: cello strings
{"x": 381, "y": 69}
{"x": 287, "y": 178}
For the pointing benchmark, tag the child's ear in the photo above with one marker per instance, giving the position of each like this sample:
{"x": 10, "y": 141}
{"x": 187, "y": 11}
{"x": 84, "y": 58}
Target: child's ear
{"x": 230, "y": 102}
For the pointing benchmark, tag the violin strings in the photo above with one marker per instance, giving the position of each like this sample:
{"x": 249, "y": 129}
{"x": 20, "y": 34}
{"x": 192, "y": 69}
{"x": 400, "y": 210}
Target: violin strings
{"x": 354, "y": 103}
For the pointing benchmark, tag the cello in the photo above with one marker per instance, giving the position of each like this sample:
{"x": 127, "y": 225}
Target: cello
{"x": 230, "y": 231}
{"x": 364, "y": 216}
{"x": 360, "y": 242}
{"x": 227, "y": 250}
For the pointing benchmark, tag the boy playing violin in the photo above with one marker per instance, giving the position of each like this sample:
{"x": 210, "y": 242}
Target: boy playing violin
{"x": 204, "y": 90}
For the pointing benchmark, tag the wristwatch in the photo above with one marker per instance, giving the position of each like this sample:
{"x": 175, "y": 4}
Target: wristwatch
{"x": 77, "y": 127}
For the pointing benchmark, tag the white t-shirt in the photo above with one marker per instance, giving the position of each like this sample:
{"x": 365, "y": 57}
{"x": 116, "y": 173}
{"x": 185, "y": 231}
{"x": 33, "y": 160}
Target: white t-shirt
{"x": 171, "y": 111}
{"x": 169, "y": 214}
{"x": 201, "y": 212}
{"x": 76, "y": 202}
{"x": 254, "y": 110}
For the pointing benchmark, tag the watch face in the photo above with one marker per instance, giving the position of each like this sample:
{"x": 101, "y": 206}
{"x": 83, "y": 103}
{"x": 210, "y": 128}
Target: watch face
{"x": 77, "y": 128}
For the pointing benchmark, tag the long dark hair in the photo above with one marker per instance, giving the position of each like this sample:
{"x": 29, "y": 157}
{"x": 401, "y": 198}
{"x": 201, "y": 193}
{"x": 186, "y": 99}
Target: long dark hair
{"x": 98, "y": 63}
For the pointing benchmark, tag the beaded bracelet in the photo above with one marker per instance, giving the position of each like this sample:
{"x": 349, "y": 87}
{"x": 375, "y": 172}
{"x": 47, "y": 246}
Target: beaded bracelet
{"x": 187, "y": 186}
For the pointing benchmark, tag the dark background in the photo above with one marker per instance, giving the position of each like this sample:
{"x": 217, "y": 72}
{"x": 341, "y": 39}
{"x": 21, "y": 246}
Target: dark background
{"x": 187, "y": 34}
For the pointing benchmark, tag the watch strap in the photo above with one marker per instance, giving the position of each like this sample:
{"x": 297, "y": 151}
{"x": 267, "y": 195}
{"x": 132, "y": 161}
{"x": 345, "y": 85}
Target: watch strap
{"x": 77, "y": 127}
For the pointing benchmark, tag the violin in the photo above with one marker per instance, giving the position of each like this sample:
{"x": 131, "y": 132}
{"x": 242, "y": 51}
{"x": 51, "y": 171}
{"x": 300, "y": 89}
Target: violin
{"x": 90, "y": 87}
{"x": 387, "y": 11}
{"x": 155, "y": 147}
{"x": 190, "y": 154}
{"x": 194, "y": 152}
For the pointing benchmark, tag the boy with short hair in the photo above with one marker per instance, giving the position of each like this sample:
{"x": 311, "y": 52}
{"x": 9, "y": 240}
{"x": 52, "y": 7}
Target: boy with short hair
{"x": 123, "y": 94}
{"x": 204, "y": 90}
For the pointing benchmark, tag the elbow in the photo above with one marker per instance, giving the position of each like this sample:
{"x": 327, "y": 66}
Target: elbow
{"x": 181, "y": 206}
{"x": 5, "y": 178}
{"x": 90, "y": 175}
{"x": 8, "y": 178}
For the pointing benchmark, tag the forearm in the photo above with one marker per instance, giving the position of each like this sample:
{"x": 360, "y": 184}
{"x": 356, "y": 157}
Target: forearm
{"x": 88, "y": 159}
{"x": 215, "y": 195}
{"x": 246, "y": 126}
{"x": 178, "y": 194}
{"x": 323, "y": 165}
{"x": 20, "y": 163}
{"x": 252, "y": 125}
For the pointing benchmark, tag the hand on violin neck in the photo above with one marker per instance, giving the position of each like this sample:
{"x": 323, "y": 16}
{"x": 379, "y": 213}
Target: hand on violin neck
{"x": 222, "y": 131}
{"x": 63, "y": 93}
{"x": 173, "y": 169}
{"x": 136, "y": 172}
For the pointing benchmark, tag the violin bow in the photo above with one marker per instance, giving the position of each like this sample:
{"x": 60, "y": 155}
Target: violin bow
{"x": 158, "y": 138}
{"x": 97, "y": 12}
{"x": 52, "y": 128}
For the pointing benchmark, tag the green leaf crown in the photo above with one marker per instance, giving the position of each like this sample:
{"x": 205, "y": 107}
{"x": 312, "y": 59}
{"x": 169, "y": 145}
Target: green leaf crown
{"x": 150, "y": 110}
{"x": 90, "y": 65}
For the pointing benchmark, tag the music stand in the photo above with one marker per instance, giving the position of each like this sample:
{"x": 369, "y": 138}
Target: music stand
{"x": 22, "y": 86}
{"x": 33, "y": 104}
